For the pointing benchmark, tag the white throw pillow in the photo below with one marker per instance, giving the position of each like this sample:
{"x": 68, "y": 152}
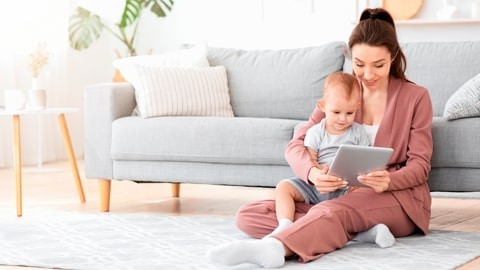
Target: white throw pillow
{"x": 465, "y": 102}
{"x": 195, "y": 56}
{"x": 182, "y": 91}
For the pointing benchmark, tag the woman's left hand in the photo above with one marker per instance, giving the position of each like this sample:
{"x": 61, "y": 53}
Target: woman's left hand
{"x": 377, "y": 180}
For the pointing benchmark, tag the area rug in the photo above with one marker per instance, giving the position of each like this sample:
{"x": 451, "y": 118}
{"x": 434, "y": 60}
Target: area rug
{"x": 88, "y": 241}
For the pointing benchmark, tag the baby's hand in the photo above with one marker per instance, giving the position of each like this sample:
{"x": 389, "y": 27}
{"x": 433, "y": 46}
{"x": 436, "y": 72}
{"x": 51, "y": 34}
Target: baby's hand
{"x": 323, "y": 182}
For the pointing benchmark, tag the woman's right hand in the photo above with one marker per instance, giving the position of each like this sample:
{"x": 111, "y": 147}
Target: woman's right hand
{"x": 323, "y": 182}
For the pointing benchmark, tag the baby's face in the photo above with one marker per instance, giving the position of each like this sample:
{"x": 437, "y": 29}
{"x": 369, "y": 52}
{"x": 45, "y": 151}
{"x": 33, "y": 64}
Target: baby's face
{"x": 340, "y": 112}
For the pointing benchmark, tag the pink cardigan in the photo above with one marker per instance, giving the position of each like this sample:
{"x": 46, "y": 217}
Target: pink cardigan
{"x": 406, "y": 127}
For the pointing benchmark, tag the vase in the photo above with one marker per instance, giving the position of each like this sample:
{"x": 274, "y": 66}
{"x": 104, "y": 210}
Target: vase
{"x": 34, "y": 83}
{"x": 37, "y": 99}
{"x": 36, "y": 96}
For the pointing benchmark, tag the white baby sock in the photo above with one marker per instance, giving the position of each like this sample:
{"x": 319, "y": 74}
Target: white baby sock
{"x": 268, "y": 253}
{"x": 379, "y": 234}
{"x": 282, "y": 225}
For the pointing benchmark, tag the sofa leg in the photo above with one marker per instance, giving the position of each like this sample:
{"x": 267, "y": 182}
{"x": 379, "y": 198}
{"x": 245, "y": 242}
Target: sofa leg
{"x": 175, "y": 190}
{"x": 104, "y": 188}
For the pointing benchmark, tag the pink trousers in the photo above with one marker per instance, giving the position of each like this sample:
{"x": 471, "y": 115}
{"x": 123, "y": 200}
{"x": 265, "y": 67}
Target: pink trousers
{"x": 329, "y": 225}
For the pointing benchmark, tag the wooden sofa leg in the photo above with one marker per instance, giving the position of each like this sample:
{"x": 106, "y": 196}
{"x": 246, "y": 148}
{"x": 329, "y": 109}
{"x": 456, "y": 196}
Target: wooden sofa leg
{"x": 104, "y": 188}
{"x": 175, "y": 190}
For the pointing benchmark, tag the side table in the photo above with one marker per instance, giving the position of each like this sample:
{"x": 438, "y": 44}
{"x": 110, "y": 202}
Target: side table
{"x": 17, "y": 149}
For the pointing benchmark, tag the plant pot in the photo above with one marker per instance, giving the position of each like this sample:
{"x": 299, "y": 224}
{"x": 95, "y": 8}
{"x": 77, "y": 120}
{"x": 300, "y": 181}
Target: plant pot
{"x": 37, "y": 99}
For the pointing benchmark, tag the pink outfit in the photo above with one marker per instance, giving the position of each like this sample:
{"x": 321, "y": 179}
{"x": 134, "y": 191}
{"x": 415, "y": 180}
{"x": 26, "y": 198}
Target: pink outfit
{"x": 404, "y": 208}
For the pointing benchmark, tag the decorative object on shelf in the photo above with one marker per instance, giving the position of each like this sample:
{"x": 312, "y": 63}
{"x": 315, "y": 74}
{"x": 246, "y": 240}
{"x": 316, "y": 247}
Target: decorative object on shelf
{"x": 448, "y": 11}
{"x": 14, "y": 99}
{"x": 476, "y": 9}
{"x": 403, "y": 9}
{"x": 37, "y": 99}
{"x": 85, "y": 26}
{"x": 37, "y": 60}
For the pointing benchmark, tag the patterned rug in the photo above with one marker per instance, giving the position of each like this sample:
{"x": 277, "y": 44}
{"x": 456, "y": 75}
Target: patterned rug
{"x": 77, "y": 240}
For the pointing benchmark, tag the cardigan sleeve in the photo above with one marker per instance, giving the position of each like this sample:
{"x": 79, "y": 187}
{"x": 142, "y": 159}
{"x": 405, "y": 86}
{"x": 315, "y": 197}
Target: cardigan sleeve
{"x": 296, "y": 153}
{"x": 415, "y": 170}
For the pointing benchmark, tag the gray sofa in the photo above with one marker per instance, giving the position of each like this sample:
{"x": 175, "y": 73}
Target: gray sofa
{"x": 272, "y": 92}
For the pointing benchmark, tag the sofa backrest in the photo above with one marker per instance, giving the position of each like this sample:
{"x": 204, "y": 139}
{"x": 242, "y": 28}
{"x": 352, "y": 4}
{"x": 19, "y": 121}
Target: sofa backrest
{"x": 287, "y": 83}
{"x": 277, "y": 83}
{"x": 442, "y": 67}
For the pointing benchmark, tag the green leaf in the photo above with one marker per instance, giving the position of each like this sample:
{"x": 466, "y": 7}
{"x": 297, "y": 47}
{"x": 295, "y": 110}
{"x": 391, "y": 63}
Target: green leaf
{"x": 132, "y": 11}
{"x": 84, "y": 28}
{"x": 159, "y": 7}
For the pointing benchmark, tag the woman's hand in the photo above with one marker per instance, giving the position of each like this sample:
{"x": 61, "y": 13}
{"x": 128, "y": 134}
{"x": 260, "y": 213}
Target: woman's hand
{"x": 378, "y": 180}
{"x": 323, "y": 182}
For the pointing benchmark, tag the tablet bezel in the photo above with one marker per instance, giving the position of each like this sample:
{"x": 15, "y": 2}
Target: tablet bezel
{"x": 353, "y": 160}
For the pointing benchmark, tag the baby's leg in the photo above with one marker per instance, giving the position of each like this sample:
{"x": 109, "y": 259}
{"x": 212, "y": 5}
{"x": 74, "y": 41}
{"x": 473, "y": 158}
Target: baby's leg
{"x": 379, "y": 234}
{"x": 286, "y": 195}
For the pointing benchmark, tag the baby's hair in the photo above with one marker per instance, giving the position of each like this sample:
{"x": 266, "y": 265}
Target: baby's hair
{"x": 341, "y": 81}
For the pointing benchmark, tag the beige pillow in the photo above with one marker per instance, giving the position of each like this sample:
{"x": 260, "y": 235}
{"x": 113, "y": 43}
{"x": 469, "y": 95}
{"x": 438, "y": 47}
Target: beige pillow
{"x": 465, "y": 102}
{"x": 195, "y": 56}
{"x": 182, "y": 91}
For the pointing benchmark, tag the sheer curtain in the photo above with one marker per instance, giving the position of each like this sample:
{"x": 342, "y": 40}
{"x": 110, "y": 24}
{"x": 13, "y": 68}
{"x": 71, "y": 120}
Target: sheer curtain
{"x": 24, "y": 25}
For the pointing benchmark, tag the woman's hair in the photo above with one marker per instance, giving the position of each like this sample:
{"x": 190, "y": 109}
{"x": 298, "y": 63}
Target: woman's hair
{"x": 377, "y": 28}
{"x": 341, "y": 81}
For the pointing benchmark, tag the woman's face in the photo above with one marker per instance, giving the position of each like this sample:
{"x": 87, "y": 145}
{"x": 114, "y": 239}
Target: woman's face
{"x": 372, "y": 64}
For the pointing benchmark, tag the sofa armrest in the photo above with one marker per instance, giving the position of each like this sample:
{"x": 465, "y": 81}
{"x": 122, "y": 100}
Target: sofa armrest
{"x": 103, "y": 104}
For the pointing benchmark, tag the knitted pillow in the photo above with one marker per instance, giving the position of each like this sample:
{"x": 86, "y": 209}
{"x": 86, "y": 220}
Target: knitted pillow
{"x": 465, "y": 102}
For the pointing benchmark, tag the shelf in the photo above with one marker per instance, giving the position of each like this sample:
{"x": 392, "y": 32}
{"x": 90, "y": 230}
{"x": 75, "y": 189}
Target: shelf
{"x": 435, "y": 21}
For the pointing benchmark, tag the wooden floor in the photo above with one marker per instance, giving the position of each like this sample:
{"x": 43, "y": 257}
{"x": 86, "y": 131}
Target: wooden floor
{"x": 51, "y": 187}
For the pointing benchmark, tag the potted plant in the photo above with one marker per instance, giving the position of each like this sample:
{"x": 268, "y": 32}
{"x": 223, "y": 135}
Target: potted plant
{"x": 37, "y": 60}
{"x": 85, "y": 27}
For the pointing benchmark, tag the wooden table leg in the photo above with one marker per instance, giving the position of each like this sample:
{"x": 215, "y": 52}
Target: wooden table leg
{"x": 17, "y": 162}
{"x": 71, "y": 155}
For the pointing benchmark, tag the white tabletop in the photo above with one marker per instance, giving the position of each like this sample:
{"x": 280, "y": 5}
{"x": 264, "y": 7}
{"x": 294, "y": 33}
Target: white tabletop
{"x": 52, "y": 110}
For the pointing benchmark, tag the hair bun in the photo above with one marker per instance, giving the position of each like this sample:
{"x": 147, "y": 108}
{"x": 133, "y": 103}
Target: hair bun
{"x": 377, "y": 14}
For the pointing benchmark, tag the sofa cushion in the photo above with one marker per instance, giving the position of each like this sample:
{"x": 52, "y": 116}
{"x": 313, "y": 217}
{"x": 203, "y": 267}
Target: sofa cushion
{"x": 277, "y": 83}
{"x": 465, "y": 102}
{"x": 238, "y": 140}
{"x": 442, "y": 67}
{"x": 195, "y": 56}
{"x": 456, "y": 143}
{"x": 182, "y": 91}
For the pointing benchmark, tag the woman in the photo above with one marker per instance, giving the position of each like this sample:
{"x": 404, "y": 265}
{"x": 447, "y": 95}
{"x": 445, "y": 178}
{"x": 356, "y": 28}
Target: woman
{"x": 399, "y": 114}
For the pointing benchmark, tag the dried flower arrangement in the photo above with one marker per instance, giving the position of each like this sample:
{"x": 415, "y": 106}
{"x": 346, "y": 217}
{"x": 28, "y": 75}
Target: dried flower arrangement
{"x": 38, "y": 59}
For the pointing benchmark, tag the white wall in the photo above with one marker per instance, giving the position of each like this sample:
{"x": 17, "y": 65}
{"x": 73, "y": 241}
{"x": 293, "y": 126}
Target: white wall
{"x": 249, "y": 23}
{"x": 282, "y": 24}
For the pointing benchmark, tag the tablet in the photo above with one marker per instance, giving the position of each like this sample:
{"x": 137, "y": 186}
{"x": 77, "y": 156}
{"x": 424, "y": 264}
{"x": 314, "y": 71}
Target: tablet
{"x": 353, "y": 160}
